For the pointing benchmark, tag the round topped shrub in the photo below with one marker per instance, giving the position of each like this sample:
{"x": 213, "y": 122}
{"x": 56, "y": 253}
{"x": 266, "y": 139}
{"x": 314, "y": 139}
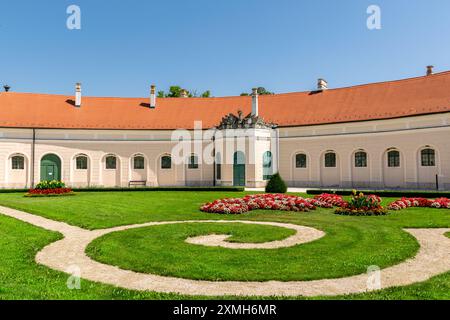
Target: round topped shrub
{"x": 276, "y": 184}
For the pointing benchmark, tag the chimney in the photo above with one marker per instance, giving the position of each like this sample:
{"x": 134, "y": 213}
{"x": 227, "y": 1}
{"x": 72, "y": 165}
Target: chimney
{"x": 153, "y": 96}
{"x": 184, "y": 93}
{"x": 255, "y": 106}
{"x": 322, "y": 84}
{"x": 78, "y": 95}
{"x": 6, "y": 87}
{"x": 430, "y": 70}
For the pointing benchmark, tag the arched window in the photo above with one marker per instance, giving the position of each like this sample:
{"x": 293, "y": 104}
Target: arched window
{"x": 166, "y": 162}
{"x": 428, "y": 157}
{"x": 138, "y": 163}
{"x": 18, "y": 163}
{"x": 267, "y": 165}
{"x": 81, "y": 162}
{"x": 360, "y": 159}
{"x": 330, "y": 160}
{"x": 393, "y": 159}
{"x": 300, "y": 160}
{"x": 111, "y": 162}
{"x": 193, "y": 162}
{"x": 218, "y": 167}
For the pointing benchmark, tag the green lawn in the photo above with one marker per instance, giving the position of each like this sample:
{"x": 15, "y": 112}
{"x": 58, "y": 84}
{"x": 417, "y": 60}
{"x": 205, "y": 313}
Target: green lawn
{"x": 351, "y": 244}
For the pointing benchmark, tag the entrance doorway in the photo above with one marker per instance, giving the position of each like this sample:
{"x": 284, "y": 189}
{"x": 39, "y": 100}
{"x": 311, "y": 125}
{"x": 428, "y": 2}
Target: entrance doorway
{"x": 50, "y": 167}
{"x": 239, "y": 169}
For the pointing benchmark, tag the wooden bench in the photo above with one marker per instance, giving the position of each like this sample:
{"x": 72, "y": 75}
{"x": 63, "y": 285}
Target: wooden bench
{"x": 136, "y": 183}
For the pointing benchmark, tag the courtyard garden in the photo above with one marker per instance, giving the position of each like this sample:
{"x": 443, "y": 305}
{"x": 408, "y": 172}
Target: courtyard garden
{"x": 351, "y": 243}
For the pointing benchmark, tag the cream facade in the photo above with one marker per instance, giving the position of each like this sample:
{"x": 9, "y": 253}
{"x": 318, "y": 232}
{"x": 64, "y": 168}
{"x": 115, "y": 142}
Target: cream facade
{"x": 390, "y": 156}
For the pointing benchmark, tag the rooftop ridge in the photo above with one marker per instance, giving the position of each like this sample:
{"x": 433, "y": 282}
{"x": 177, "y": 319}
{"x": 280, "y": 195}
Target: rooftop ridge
{"x": 434, "y": 75}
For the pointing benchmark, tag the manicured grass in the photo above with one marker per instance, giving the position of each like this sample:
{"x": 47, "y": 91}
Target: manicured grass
{"x": 351, "y": 244}
{"x": 342, "y": 252}
{"x": 22, "y": 278}
{"x": 98, "y": 210}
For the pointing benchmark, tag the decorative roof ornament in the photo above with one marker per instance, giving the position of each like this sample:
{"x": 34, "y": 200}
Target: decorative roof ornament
{"x": 231, "y": 121}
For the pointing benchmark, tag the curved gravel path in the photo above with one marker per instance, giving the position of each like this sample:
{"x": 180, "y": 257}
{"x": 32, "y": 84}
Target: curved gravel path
{"x": 432, "y": 259}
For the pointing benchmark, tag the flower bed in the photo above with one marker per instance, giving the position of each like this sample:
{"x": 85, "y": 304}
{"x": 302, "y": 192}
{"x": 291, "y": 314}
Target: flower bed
{"x": 49, "y": 188}
{"x": 332, "y": 199}
{"x": 265, "y": 202}
{"x": 403, "y": 203}
{"x": 362, "y": 205}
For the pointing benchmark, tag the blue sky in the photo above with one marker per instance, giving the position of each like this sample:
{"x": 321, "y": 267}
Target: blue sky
{"x": 225, "y": 46}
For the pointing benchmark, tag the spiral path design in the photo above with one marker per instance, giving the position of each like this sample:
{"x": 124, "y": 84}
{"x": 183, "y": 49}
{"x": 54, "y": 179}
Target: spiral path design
{"x": 432, "y": 259}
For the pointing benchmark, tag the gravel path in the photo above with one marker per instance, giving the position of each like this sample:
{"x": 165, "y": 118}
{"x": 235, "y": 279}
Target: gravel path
{"x": 432, "y": 259}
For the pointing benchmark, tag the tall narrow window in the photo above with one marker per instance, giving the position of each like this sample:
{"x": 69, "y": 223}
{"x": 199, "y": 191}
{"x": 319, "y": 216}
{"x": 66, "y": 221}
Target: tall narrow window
{"x": 300, "y": 160}
{"x": 330, "y": 160}
{"x": 81, "y": 163}
{"x": 428, "y": 157}
{"x": 166, "y": 162}
{"x": 218, "y": 167}
{"x": 393, "y": 159}
{"x": 267, "y": 165}
{"x": 193, "y": 162}
{"x": 18, "y": 163}
{"x": 111, "y": 162}
{"x": 139, "y": 163}
{"x": 360, "y": 159}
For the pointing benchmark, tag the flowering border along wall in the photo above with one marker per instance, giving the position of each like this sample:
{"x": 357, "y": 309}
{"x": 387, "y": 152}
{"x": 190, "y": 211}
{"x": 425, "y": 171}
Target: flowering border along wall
{"x": 265, "y": 202}
{"x": 359, "y": 204}
{"x": 403, "y": 203}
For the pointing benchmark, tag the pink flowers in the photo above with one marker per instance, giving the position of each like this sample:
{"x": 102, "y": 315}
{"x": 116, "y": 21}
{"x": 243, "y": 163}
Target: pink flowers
{"x": 332, "y": 199}
{"x": 248, "y": 203}
{"x": 403, "y": 203}
{"x": 359, "y": 204}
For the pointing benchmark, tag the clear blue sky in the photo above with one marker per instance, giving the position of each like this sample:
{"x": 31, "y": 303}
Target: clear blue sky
{"x": 226, "y": 46}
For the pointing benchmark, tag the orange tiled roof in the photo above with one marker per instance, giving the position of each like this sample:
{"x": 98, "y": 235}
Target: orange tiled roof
{"x": 392, "y": 99}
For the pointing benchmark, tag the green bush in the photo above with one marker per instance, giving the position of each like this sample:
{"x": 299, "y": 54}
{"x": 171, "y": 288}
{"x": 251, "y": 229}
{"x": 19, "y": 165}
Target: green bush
{"x": 276, "y": 184}
{"x": 54, "y": 184}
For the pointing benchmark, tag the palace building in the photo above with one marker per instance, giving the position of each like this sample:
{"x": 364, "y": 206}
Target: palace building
{"x": 389, "y": 135}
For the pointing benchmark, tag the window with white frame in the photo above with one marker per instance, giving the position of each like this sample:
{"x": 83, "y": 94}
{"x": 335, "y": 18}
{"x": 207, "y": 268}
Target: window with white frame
{"x": 139, "y": 162}
{"x": 81, "y": 162}
{"x": 330, "y": 160}
{"x": 360, "y": 159}
{"x": 428, "y": 157}
{"x": 300, "y": 160}
{"x": 111, "y": 162}
{"x": 393, "y": 159}
{"x": 18, "y": 162}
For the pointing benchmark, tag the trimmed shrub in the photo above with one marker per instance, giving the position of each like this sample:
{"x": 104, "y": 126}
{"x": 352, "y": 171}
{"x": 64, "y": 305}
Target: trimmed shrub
{"x": 276, "y": 184}
{"x": 53, "y": 184}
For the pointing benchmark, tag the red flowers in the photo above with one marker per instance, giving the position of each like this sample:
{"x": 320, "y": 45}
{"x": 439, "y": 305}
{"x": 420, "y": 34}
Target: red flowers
{"x": 403, "y": 203}
{"x": 263, "y": 201}
{"x": 331, "y": 199}
{"x": 49, "y": 191}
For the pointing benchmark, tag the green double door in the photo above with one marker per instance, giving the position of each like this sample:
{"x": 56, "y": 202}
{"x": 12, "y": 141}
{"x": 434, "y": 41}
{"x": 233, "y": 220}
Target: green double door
{"x": 50, "y": 168}
{"x": 239, "y": 169}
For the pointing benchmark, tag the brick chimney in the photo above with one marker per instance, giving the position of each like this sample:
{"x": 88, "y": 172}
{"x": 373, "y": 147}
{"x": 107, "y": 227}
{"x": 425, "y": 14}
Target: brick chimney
{"x": 152, "y": 96}
{"x": 430, "y": 70}
{"x": 255, "y": 104}
{"x": 78, "y": 95}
